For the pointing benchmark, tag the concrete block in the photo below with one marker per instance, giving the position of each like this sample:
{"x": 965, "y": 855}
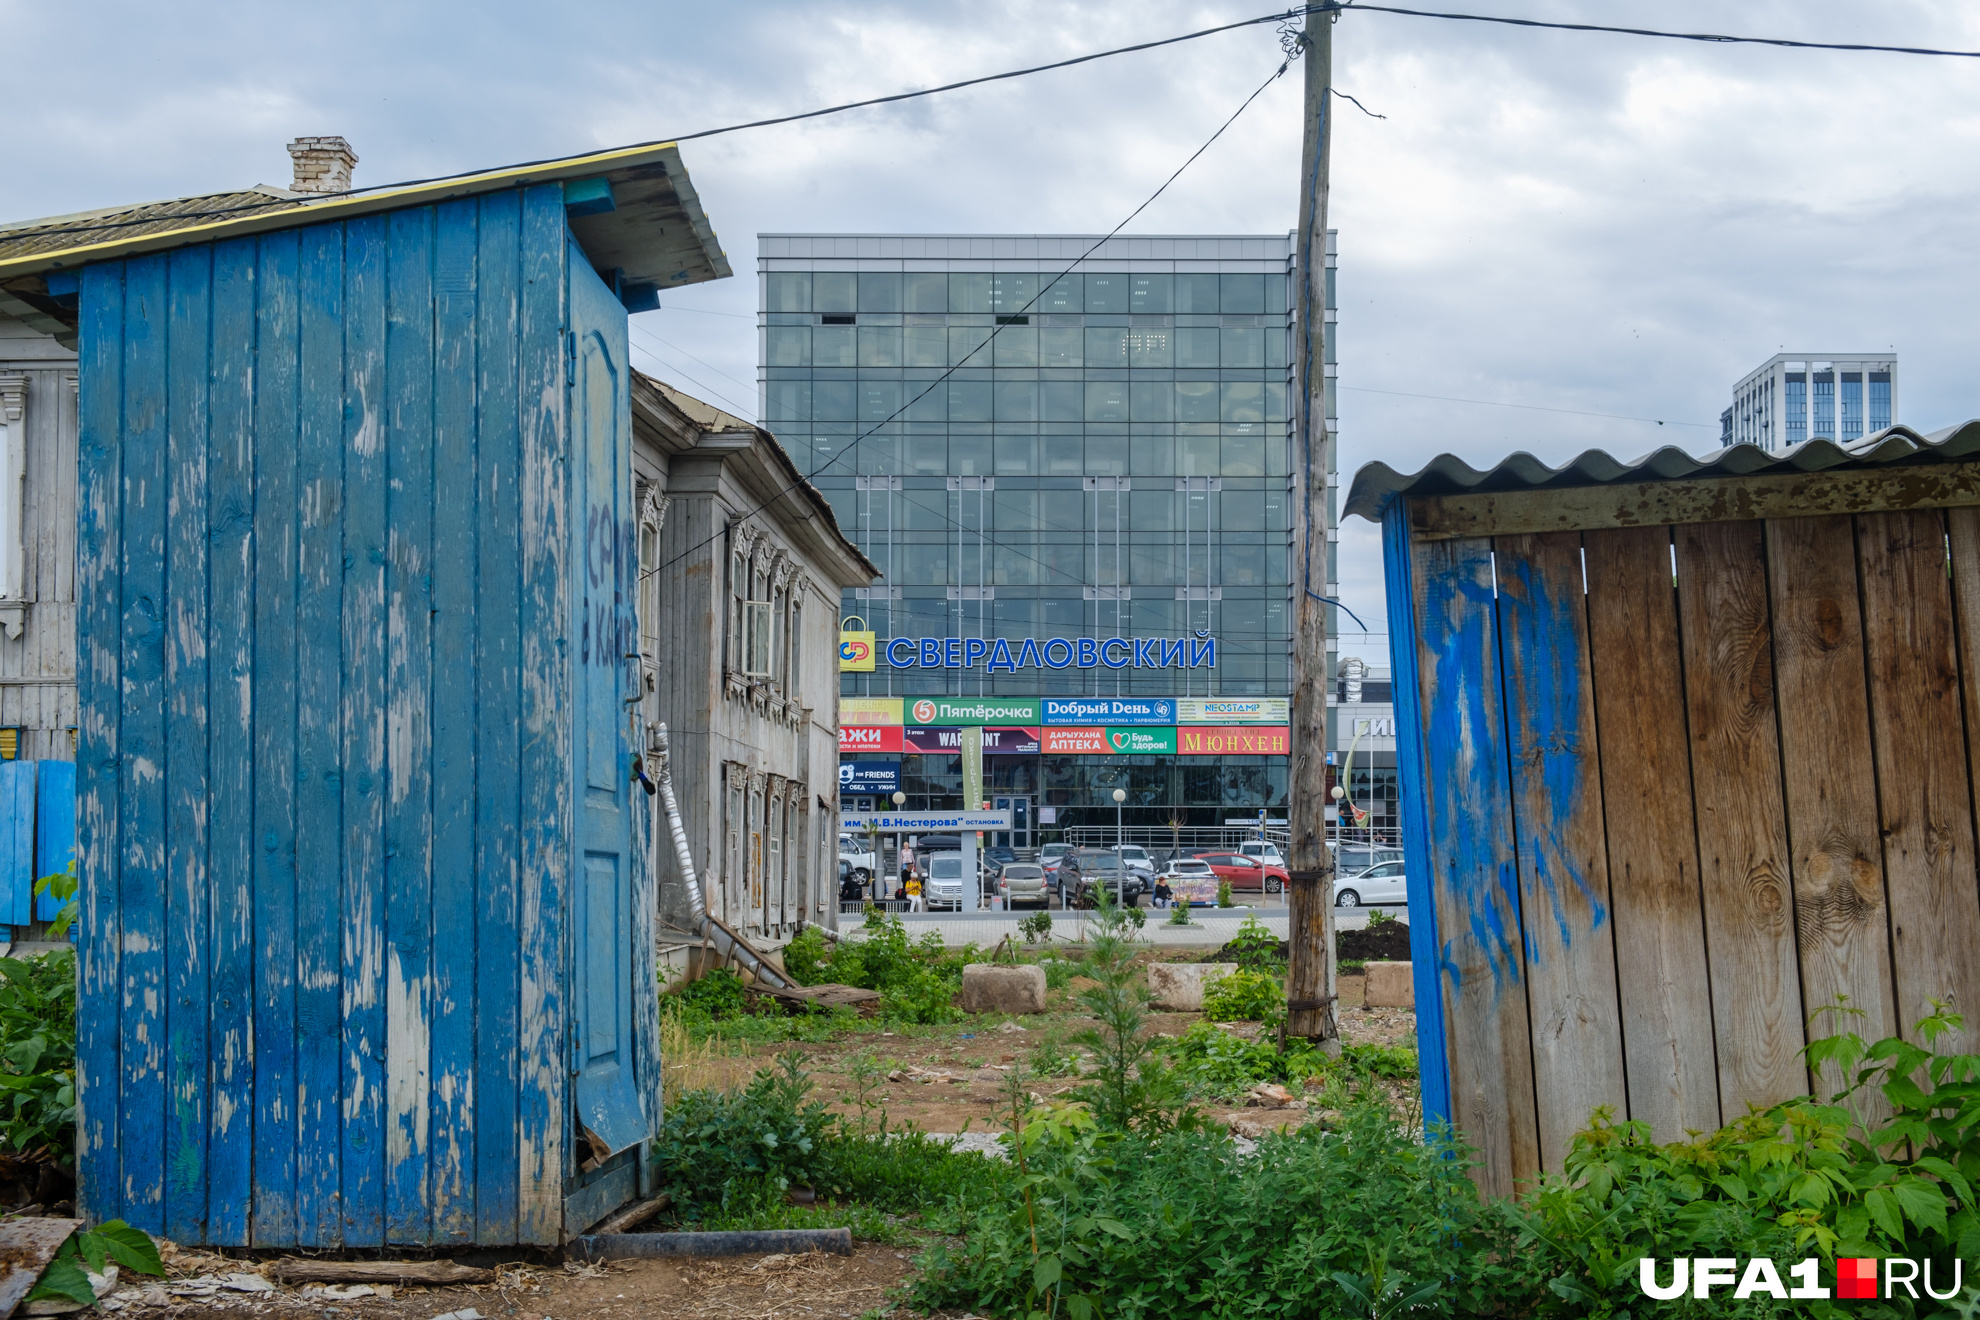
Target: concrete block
{"x": 1178, "y": 987}
{"x": 1389, "y": 985}
{"x": 996, "y": 988}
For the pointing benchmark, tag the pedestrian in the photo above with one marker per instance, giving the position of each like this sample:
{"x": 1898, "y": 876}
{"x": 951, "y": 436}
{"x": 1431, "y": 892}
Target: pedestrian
{"x": 1162, "y": 892}
{"x": 907, "y": 870}
{"x": 913, "y": 888}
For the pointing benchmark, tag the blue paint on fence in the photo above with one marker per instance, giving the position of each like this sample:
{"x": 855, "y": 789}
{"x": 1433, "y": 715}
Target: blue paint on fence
{"x": 17, "y": 873}
{"x": 54, "y": 827}
{"x": 1428, "y": 958}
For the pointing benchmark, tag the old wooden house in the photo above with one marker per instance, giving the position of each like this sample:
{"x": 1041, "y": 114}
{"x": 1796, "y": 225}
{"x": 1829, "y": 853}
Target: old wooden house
{"x": 742, "y": 567}
{"x": 1689, "y": 750}
{"x": 367, "y": 949}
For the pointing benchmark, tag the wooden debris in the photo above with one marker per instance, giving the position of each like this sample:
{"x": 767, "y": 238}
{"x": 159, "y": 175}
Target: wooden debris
{"x": 296, "y": 1270}
{"x": 26, "y": 1247}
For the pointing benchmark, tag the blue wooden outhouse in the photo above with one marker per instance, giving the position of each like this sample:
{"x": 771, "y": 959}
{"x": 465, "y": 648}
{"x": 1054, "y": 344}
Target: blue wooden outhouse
{"x": 367, "y": 945}
{"x": 1689, "y": 749}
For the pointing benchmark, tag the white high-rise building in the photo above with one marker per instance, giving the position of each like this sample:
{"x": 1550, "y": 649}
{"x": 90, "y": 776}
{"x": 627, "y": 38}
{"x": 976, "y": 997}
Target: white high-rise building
{"x": 1793, "y": 397}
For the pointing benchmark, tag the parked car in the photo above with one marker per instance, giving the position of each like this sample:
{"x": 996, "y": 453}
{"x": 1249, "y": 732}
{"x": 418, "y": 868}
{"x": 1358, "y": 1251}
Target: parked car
{"x": 1138, "y": 861}
{"x": 1086, "y": 871}
{"x": 1022, "y": 883}
{"x": 1246, "y": 872}
{"x": 1353, "y": 858}
{"x": 864, "y": 862}
{"x": 1381, "y": 883}
{"x": 1192, "y": 882}
{"x": 1262, "y": 850}
{"x": 1049, "y": 857}
{"x": 942, "y": 886}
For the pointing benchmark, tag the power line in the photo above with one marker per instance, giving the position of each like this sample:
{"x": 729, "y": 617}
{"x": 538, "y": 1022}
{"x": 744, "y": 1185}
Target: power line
{"x": 749, "y": 385}
{"x": 1530, "y": 407}
{"x": 1338, "y": 8}
{"x": 1861, "y": 47}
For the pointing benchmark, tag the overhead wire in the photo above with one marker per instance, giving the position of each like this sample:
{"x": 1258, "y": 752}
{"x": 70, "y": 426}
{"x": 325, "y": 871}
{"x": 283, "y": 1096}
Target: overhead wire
{"x": 1530, "y": 407}
{"x": 1349, "y": 6}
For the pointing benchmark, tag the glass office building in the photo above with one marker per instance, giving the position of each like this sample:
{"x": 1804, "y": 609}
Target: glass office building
{"x": 1795, "y": 397}
{"x": 1076, "y": 477}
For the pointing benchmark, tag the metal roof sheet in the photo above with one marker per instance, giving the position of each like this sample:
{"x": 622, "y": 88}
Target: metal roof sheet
{"x": 1377, "y": 485}
{"x": 656, "y": 234}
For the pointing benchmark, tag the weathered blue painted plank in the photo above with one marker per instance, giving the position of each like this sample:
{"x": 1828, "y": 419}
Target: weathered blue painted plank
{"x": 141, "y": 749}
{"x": 363, "y": 731}
{"x": 408, "y": 723}
{"x": 455, "y": 763}
{"x": 319, "y": 753}
{"x": 99, "y": 608}
{"x": 498, "y": 721}
{"x": 187, "y": 941}
{"x": 1432, "y": 1043}
{"x": 1557, "y": 819}
{"x": 17, "y": 875}
{"x": 1476, "y": 888}
{"x": 54, "y": 827}
{"x": 278, "y": 386}
{"x": 546, "y": 663}
{"x": 230, "y": 753}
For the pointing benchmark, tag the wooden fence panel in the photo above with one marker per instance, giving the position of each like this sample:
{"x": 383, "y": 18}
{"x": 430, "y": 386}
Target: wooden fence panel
{"x": 1557, "y": 816}
{"x": 1922, "y": 788}
{"x": 1469, "y": 818}
{"x": 1841, "y": 924}
{"x": 1742, "y": 845}
{"x": 1661, "y": 975}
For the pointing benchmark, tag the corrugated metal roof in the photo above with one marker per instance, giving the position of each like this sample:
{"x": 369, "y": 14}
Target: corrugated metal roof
{"x": 1376, "y": 485}
{"x": 658, "y": 233}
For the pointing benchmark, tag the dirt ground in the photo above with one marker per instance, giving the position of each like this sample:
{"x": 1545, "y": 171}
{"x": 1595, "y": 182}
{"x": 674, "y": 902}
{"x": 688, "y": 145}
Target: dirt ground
{"x": 948, "y": 1079}
{"x": 780, "y": 1287}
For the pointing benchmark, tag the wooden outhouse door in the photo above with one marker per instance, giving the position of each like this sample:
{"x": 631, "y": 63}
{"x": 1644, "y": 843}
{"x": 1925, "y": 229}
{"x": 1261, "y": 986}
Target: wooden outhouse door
{"x": 603, "y": 926}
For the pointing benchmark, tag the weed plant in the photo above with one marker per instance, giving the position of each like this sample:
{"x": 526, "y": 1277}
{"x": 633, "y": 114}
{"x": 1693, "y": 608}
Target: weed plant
{"x": 1244, "y": 996}
{"x": 1143, "y": 1225}
{"x": 38, "y": 1044}
{"x": 730, "y": 1158}
{"x": 1131, "y": 1088}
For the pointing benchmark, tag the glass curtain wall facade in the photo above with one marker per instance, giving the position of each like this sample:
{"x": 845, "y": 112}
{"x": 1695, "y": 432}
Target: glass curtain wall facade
{"x": 1031, "y": 446}
{"x": 1796, "y": 397}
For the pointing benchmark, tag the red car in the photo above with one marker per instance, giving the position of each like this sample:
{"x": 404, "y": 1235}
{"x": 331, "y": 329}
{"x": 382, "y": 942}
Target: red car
{"x": 1245, "y": 872}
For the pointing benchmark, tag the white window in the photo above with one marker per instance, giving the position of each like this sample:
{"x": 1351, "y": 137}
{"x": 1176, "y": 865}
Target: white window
{"x": 756, "y": 638}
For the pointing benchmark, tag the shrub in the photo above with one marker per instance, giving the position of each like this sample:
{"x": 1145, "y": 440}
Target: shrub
{"x": 1223, "y": 893}
{"x": 1395, "y": 1062}
{"x": 1252, "y": 996}
{"x": 1218, "y": 1063}
{"x": 1131, "y": 1087}
{"x": 1794, "y": 1180}
{"x": 806, "y": 958}
{"x": 1151, "y": 1226}
{"x": 769, "y": 1130}
{"x": 728, "y": 1158}
{"x": 1253, "y": 947}
{"x": 716, "y": 995}
{"x": 38, "y": 1043}
{"x": 1036, "y": 927}
{"x": 1059, "y": 972}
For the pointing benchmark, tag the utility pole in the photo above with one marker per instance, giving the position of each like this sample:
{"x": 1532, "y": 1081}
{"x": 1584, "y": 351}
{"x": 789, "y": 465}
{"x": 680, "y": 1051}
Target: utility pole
{"x": 1310, "y": 865}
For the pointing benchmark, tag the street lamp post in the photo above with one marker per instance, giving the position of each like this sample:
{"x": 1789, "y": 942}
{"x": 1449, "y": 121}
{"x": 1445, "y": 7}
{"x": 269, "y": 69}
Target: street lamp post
{"x": 1120, "y": 857}
{"x": 900, "y": 800}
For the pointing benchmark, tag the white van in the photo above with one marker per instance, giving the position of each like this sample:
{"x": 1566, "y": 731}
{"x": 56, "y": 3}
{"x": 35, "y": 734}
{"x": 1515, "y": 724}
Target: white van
{"x": 1265, "y": 852}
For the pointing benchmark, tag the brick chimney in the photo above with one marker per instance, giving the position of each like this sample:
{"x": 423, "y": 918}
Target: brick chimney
{"x": 323, "y": 164}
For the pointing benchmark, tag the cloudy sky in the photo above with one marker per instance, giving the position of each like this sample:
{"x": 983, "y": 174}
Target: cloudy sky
{"x": 1584, "y": 224}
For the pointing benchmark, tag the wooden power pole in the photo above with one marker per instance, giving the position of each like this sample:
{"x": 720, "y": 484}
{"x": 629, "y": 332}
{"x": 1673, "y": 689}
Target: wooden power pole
{"x": 1310, "y": 897}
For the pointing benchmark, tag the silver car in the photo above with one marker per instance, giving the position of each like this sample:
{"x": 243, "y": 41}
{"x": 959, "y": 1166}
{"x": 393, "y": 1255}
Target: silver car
{"x": 1380, "y": 883}
{"x": 945, "y": 888}
{"x": 1022, "y": 883}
